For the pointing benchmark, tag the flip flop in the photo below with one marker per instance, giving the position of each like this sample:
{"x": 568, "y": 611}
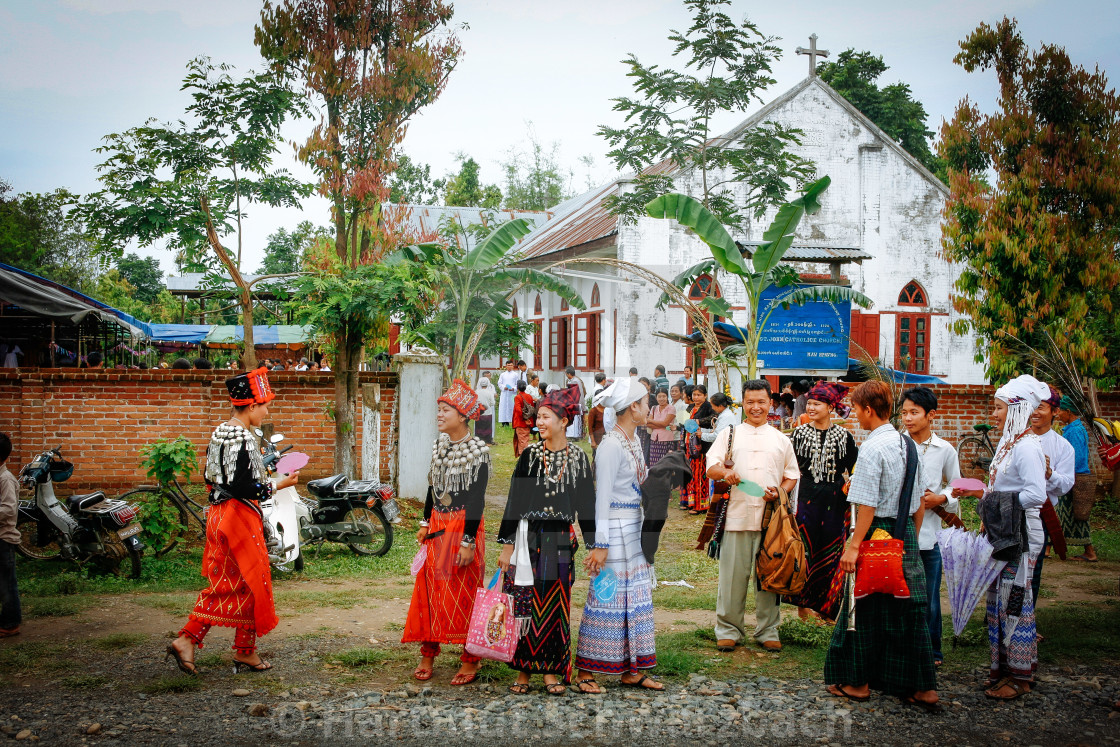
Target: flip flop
{"x": 519, "y": 688}
{"x": 927, "y": 707}
{"x": 422, "y": 674}
{"x": 463, "y": 679}
{"x": 640, "y": 683}
{"x": 1018, "y": 689}
{"x": 589, "y": 681}
{"x": 840, "y": 692}
{"x": 1084, "y": 559}
{"x": 556, "y": 688}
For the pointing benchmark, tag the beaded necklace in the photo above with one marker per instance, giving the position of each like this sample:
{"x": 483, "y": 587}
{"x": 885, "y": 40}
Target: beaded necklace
{"x": 824, "y": 449}
{"x": 634, "y": 449}
{"x": 455, "y": 464}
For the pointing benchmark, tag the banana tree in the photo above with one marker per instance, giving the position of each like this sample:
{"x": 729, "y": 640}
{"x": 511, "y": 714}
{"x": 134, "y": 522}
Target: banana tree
{"x": 486, "y": 271}
{"x": 763, "y": 271}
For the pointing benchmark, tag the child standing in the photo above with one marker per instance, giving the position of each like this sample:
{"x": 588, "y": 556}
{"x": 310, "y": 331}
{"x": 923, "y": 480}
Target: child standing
{"x": 9, "y": 539}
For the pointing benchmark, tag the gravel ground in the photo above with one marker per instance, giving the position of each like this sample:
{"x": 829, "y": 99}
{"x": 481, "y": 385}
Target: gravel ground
{"x": 1073, "y": 706}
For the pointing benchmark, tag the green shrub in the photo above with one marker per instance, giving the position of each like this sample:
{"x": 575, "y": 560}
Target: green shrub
{"x": 167, "y": 459}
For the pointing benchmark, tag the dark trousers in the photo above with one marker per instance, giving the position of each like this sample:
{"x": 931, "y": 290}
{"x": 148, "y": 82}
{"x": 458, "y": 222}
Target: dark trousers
{"x": 931, "y": 559}
{"x": 1036, "y": 579}
{"x": 10, "y": 616}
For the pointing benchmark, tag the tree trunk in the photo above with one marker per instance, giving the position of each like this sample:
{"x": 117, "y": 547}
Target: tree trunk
{"x": 249, "y": 354}
{"x": 345, "y": 404}
{"x": 249, "y": 357}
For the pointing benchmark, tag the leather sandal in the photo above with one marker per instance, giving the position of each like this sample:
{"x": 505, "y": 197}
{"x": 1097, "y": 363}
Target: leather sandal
{"x": 840, "y": 692}
{"x": 1017, "y": 687}
{"x": 934, "y": 707}
{"x": 555, "y": 688}
{"x": 186, "y": 666}
{"x": 640, "y": 682}
{"x": 589, "y": 681}
{"x": 519, "y": 688}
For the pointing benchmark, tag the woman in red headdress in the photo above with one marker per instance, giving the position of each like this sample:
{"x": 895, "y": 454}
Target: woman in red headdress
{"x": 552, "y": 484}
{"x": 452, "y": 535}
{"x": 825, "y": 452}
{"x": 235, "y": 559}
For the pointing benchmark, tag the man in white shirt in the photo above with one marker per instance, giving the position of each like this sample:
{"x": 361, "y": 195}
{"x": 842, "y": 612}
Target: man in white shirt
{"x": 507, "y": 390}
{"x": 940, "y": 466}
{"x": 1060, "y": 469}
{"x": 533, "y": 388}
{"x": 763, "y": 459}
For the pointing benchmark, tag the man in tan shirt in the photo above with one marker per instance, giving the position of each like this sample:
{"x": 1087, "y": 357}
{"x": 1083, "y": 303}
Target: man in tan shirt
{"x": 763, "y": 459}
{"x": 9, "y": 540}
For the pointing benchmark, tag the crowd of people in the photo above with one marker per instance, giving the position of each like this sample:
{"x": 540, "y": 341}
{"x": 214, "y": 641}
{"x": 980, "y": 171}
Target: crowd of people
{"x": 732, "y": 465}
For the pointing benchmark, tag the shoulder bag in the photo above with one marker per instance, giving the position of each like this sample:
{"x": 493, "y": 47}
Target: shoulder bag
{"x": 879, "y": 565}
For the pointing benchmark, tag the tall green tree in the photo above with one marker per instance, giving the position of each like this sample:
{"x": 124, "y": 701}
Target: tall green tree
{"x": 40, "y": 233}
{"x": 726, "y": 68}
{"x": 892, "y": 108}
{"x": 143, "y": 274}
{"x": 535, "y": 179}
{"x": 411, "y": 183}
{"x": 465, "y": 189}
{"x": 188, "y": 183}
{"x": 1038, "y": 247}
{"x": 369, "y": 66}
{"x": 285, "y": 251}
{"x": 114, "y": 289}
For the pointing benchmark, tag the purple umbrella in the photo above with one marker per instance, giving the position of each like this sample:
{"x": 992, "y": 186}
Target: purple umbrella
{"x": 969, "y": 571}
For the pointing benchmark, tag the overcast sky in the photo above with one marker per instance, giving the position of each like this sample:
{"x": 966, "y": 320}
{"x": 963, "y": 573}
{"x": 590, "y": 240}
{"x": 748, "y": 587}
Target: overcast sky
{"x": 75, "y": 70}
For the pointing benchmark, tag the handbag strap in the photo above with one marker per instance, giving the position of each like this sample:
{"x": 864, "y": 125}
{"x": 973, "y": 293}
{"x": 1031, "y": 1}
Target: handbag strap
{"x": 730, "y": 443}
{"x": 907, "y": 487}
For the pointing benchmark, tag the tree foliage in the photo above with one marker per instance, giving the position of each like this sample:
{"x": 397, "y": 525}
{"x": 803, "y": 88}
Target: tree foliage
{"x": 41, "y": 234}
{"x": 465, "y": 189}
{"x": 143, "y": 274}
{"x": 411, "y": 183}
{"x": 893, "y": 108}
{"x": 285, "y": 251}
{"x": 113, "y": 289}
{"x": 727, "y": 67}
{"x": 187, "y": 183}
{"x": 1039, "y": 246}
{"x": 535, "y": 179}
{"x": 369, "y": 66}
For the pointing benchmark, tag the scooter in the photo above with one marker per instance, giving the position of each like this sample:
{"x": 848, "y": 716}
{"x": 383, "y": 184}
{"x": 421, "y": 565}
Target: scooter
{"x": 358, "y": 514}
{"x": 90, "y": 528}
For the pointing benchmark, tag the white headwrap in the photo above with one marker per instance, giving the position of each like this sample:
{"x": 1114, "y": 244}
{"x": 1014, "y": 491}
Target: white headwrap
{"x": 1023, "y": 395}
{"x": 617, "y": 397}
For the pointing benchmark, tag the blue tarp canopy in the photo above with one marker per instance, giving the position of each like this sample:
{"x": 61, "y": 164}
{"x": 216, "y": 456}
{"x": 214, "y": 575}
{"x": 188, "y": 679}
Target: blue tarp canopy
{"x": 898, "y": 377}
{"x": 263, "y": 334}
{"x": 186, "y": 333}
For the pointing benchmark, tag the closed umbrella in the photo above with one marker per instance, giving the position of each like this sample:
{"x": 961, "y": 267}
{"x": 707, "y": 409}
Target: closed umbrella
{"x": 969, "y": 571}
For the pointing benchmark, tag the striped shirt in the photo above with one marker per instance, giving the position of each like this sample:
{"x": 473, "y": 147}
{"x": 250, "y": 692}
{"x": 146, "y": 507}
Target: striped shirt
{"x": 879, "y": 472}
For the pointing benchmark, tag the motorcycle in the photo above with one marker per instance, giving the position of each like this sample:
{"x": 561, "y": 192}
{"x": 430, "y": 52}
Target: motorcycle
{"x": 358, "y": 514}
{"x": 89, "y": 528}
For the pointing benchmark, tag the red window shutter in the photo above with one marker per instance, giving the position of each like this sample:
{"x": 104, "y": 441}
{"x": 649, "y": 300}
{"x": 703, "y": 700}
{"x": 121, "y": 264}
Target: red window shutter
{"x": 865, "y": 334}
{"x": 538, "y": 342}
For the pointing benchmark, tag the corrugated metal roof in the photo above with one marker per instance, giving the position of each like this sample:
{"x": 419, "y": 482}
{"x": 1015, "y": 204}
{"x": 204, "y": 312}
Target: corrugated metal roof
{"x": 584, "y": 220}
{"x": 807, "y": 253}
{"x": 426, "y": 219}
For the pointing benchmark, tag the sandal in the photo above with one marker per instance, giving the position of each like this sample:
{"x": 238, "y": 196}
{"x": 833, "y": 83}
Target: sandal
{"x": 186, "y": 666}
{"x": 9, "y": 632}
{"x": 422, "y": 674}
{"x": 589, "y": 681}
{"x": 555, "y": 688}
{"x": 840, "y": 692}
{"x": 1017, "y": 687}
{"x": 640, "y": 682}
{"x": 519, "y": 688}
{"x": 463, "y": 679}
{"x": 934, "y": 707}
{"x": 244, "y": 666}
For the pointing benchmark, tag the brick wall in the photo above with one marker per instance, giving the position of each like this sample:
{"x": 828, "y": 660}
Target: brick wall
{"x": 962, "y": 406}
{"x": 102, "y": 418}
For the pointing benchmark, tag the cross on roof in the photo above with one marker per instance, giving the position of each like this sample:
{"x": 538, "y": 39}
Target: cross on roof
{"x": 813, "y": 53}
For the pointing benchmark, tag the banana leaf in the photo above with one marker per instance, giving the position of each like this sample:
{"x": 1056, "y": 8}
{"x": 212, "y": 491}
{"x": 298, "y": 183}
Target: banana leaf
{"x": 691, "y": 213}
{"x": 494, "y": 248}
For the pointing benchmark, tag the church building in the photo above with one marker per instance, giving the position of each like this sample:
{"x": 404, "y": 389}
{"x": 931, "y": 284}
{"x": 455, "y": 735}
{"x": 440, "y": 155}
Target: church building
{"x": 879, "y": 231}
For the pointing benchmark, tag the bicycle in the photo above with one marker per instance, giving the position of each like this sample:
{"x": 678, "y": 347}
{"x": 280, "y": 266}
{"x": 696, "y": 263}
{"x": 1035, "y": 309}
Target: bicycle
{"x": 976, "y": 451}
{"x": 187, "y": 507}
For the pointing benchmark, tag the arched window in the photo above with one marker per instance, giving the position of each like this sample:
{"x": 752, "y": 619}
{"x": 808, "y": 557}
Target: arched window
{"x": 912, "y": 295}
{"x": 537, "y": 306}
{"x": 513, "y": 313}
{"x": 595, "y": 295}
{"x": 702, "y": 287}
{"x": 563, "y": 304}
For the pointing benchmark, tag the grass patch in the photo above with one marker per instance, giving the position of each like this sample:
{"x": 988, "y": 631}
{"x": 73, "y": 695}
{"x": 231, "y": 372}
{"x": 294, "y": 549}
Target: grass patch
{"x": 680, "y": 598}
{"x": 28, "y": 657}
{"x": 34, "y": 607}
{"x": 793, "y": 632}
{"x": 176, "y": 604}
{"x": 119, "y": 641}
{"x": 172, "y": 683}
{"x": 362, "y": 657}
{"x": 211, "y": 660}
{"x": 491, "y": 672}
{"x": 395, "y": 627}
{"x": 321, "y": 634}
{"x": 305, "y": 600}
{"x": 85, "y": 681}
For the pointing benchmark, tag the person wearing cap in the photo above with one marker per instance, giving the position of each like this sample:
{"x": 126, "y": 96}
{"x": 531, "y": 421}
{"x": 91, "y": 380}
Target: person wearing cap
{"x": 825, "y": 453}
{"x": 616, "y": 632}
{"x": 451, "y": 536}
{"x": 1073, "y": 430}
{"x": 235, "y": 559}
{"x": 552, "y": 485}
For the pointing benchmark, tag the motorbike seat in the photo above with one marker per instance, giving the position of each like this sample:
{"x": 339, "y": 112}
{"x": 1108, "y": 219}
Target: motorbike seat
{"x": 326, "y": 486}
{"x": 79, "y": 502}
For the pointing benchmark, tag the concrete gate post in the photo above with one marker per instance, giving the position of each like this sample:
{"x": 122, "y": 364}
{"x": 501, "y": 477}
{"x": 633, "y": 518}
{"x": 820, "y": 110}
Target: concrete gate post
{"x": 420, "y": 379}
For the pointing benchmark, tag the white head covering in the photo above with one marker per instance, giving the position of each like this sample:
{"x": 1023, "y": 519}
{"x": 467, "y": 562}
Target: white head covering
{"x": 1023, "y": 395}
{"x": 617, "y": 397}
{"x": 484, "y": 383}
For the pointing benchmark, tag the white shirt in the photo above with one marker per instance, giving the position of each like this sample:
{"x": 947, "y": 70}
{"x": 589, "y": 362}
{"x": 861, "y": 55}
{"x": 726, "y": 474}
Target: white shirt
{"x": 726, "y": 418}
{"x": 533, "y": 392}
{"x": 1024, "y": 471}
{"x": 1062, "y": 461}
{"x": 940, "y": 466}
{"x": 617, "y": 493}
{"x": 763, "y": 455}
